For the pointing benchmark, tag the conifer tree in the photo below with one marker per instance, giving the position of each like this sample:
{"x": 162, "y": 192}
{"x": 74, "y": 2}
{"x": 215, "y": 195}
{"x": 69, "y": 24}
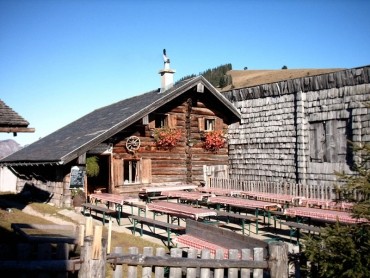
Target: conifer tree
{"x": 343, "y": 250}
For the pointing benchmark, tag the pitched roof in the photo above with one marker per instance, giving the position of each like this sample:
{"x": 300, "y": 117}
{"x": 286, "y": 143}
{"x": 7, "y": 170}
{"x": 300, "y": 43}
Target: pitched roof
{"x": 11, "y": 121}
{"x": 250, "y": 78}
{"x": 84, "y": 134}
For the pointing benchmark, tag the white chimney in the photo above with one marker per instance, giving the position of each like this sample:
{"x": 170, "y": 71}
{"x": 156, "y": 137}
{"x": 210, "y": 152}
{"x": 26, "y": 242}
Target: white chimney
{"x": 166, "y": 74}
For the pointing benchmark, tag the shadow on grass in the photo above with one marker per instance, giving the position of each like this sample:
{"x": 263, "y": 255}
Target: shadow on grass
{"x": 29, "y": 194}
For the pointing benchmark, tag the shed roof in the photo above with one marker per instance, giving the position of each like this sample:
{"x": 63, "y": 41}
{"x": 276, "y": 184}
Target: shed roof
{"x": 11, "y": 121}
{"x": 82, "y": 135}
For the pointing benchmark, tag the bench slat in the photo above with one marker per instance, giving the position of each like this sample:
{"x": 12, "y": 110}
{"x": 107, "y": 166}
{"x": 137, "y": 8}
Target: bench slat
{"x": 157, "y": 223}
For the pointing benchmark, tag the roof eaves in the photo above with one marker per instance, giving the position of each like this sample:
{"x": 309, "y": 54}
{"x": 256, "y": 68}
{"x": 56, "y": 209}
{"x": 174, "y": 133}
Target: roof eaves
{"x": 167, "y": 96}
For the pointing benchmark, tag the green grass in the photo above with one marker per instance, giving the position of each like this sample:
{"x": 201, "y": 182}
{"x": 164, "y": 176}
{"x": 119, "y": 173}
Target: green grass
{"x": 11, "y": 212}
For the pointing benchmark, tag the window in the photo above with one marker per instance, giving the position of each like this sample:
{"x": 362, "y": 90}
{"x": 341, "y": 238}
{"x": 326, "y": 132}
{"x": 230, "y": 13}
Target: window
{"x": 209, "y": 124}
{"x": 328, "y": 141}
{"x": 161, "y": 120}
{"x": 131, "y": 171}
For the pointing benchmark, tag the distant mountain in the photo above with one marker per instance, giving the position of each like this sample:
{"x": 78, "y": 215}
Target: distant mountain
{"x": 8, "y": 147}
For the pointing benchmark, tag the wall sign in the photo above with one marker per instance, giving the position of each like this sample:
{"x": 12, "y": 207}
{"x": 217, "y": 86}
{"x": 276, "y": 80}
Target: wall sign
{"x": 77, "y": 177}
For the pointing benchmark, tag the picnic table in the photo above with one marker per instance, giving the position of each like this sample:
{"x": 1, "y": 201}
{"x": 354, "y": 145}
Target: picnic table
{"x": 180, "y": 210}
{"x": 220, "y": 191}
{"x": 324, "y": 215}
{"x": 46, "y": 233}
{"x": 116, "y": 199}
{"x": 186, "y": 195}
{"x": 285, "y": 199}
{"x": 154, "y": 192}
{"x": 243, "y": 203}
{"x": 327, "y": 204}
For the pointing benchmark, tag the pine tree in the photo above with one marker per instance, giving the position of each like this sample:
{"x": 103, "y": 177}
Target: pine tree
{"x": 343, "y": 250}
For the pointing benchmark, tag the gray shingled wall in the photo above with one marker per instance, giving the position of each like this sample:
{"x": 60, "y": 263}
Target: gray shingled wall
{"x": 280, "y": 136}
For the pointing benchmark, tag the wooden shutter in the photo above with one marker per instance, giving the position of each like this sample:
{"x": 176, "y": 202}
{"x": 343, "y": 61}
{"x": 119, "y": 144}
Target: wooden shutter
{"x": 342, "y": 140}
{"x": 218, "y": 124}
{"x": 317, "y": 142}
{"x": 201, "y": 123}
{"x": 117, "y": 172}
{"x": 172, "y": 120}
{"x": 152, "y": 124}
{"x": 146, "y": 170}
{"x": 145, "y": 120}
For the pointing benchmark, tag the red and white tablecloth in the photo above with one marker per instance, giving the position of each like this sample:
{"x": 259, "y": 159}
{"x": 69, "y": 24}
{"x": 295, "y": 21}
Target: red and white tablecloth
{"x": 324, "y": 214}
{"x": 220, "y": 191}
{"x": 243, "y": 203}
{"x": 186, "y": 195}
{"x": 112, "y": 198}
{"x": 180, "y": 209}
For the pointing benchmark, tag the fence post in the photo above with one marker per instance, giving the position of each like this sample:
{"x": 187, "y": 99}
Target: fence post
{"x": 192, "y": 271}
{"x": 219, "y": 272}
{"x": 132, "y": 269}
{"x": 205, "y": 272}
{"x": 246, "y": 255}
{"x": 159, "y": 270}
{"x": 258, "y": 256}
{"x": 90, "y": 267}
{"x": 175, "y": 271}
{"x": 118, "y": 271}
{"x": 147, "y": 270}
{"x": 278, "y": 260}
{"x": 233, "y": 255}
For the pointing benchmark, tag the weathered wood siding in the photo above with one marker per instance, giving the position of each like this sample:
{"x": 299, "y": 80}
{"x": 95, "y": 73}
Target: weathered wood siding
{"x": 184, "y": 162}
{"x": 281, "y": 121}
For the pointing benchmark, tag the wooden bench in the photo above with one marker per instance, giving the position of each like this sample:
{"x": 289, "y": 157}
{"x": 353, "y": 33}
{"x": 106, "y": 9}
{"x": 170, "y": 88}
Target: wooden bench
{"x": 103, "y": 210}
{"x": 152, "y": 223}
{"x": 295, "y": 228}
{"x": 237, "y": 216}
{"x": 204, "y": 236}
{"x": 141, "y": 207}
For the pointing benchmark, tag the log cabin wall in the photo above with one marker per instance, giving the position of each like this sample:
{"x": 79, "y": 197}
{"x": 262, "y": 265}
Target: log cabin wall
{"x": 297, "y": 130}
{"x": 184, "y": 162}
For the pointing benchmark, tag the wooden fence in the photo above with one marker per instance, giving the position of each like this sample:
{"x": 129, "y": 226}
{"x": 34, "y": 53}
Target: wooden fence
{"x": 323, "y": 192}
{"x": 241, "y": 263}
{"x": 94, "y": 261}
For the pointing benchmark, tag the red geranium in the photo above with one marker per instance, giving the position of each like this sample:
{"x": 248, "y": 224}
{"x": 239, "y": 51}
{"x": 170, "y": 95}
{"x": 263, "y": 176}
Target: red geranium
{"x": 214, "y": 140}
{"x": 166, "y": 138}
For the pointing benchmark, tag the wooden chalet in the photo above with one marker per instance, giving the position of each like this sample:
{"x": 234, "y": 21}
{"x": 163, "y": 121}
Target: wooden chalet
{"x": 126, "y": 139}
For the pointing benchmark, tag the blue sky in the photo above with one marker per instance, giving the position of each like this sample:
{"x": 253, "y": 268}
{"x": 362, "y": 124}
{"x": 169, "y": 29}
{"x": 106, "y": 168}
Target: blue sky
{"x": 60, "y": 60}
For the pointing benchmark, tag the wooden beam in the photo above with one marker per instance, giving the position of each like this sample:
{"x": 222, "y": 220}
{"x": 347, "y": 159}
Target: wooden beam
{"x": 16, "y": 129}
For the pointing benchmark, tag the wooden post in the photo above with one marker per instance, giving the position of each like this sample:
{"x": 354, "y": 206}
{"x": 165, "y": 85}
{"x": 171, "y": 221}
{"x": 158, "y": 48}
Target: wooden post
{"x": 118, "y": 272}
{"x": 278, "y": 260}
{"x": 159, "y": 270}
{"x": 175, "y": 272}
{"x": 246, "y": 255}
{"x": 147, "y": 270}
{"x": 233, "y": 255}
{"x": 132, "y": 269}
{"x": 192, "y": 271}
{"x": 90, "y": 267}
{"x": 97, "y": 247}
{"x": 219, "y": 272}
{"x": 258, "y": 256}
{"x": 89, "y": 226}
{"x": 109, "y": 236}
{"x": 205, "y": 272}
{"x": 81, "y": 235}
